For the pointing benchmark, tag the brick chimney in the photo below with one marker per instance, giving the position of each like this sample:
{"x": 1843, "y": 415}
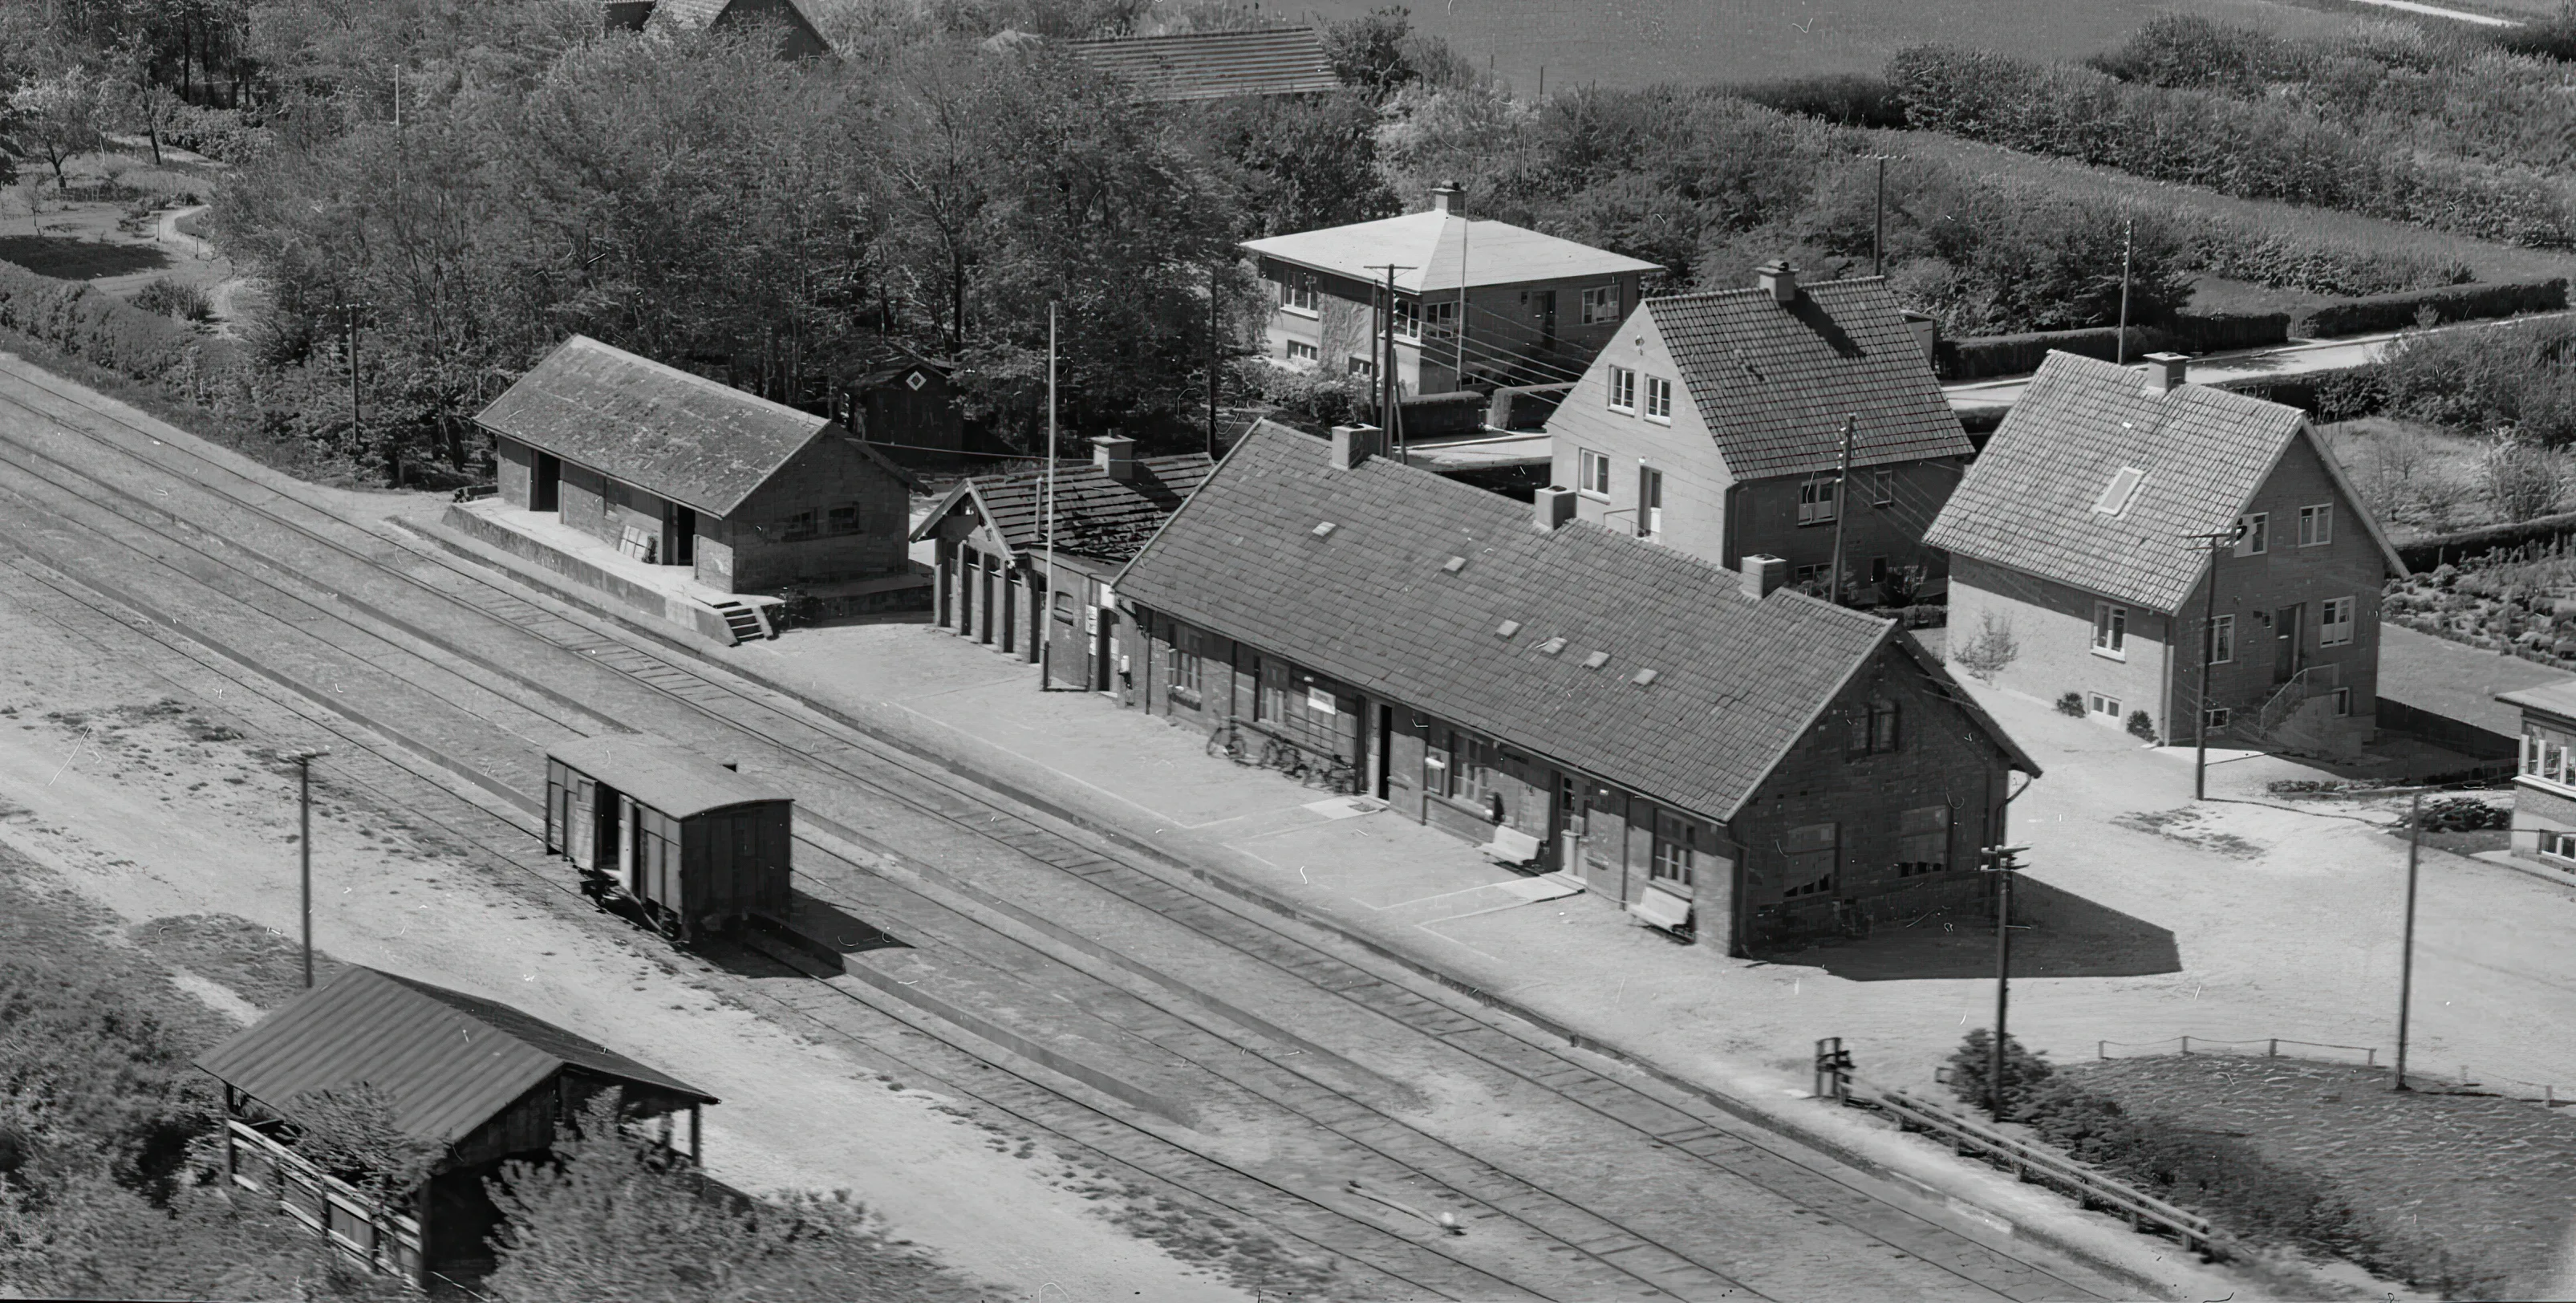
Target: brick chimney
{"x": 1779, "y": 280}
{"x": 1555, "y": 507}
{"x": 1353, "y": 444}
{"x": 1115, "y": 455}
{"x": 2164, "y": 373}
{"x": 1763, "y": 574}
{"x": 1445, "y": 198}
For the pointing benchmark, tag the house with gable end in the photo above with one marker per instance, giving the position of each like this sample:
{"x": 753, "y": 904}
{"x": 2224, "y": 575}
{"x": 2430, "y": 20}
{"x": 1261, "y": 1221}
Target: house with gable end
{"x": 2081, "y": 536}
{"x": 1716, "y": 753}
{"x": 1714, "y": 423}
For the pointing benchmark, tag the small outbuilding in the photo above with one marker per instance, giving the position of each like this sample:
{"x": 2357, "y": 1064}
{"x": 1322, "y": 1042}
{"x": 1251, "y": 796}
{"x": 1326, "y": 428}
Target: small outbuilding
{"x": 691, "y": 842}
{"x": 675, "y": 469}
{"x": 483, "y": 1082}
{"x": 907, "y": 410}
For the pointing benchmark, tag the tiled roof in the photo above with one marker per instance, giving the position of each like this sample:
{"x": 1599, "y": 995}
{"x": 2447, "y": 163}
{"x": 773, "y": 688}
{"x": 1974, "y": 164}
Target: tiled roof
{"x": 1215, "y": 65}
{"x": 1375, "y": 603}
{"x": 672, "y": 779}
{"x": 1095, "y": 515}
{"x": 1443, "y": 251}
{"x": 2028, "y": 500}
{"x": 1774, "y": 381}
{"x": 683, "y": 437}
{"x": 450, "y": 1061}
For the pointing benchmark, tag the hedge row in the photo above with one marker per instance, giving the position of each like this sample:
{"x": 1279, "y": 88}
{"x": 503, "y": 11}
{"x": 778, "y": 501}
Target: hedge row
{"x": 2006, "y": 355}
{"x": 2463, "y": 545}
{"x": 97, "y": 328}
{"x": 2254, "y": 149}
{"x": 2340, "y": 394}
{"x": 2406, "y": 308}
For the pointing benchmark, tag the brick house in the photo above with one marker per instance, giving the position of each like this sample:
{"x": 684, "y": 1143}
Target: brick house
{"x": 1714, "y": 752}
{"x": 676, "y": 469}
{"x": 1536, "y": 308}
{"x": 991, "y": 534}
{"x": 2074, "y": 531}
{"x": 2544, "y": 788}
{"x": 1714, "y": 424}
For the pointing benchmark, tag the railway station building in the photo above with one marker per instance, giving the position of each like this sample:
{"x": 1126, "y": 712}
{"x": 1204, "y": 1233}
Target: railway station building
{"x": 483, "y": 1083}
{"x": 1705, "y": 747}
{"x": 741, "y": 494}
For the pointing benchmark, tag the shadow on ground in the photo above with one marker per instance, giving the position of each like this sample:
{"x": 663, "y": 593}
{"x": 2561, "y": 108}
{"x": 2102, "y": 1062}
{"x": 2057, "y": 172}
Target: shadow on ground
{"x": 2060, "y": 934}
{"x": 79, "y": 260}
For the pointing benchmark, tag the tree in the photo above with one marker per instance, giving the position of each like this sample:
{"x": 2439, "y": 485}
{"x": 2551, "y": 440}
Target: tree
{"x": 58, "y": 116}
{"x": 349, "y": 1131}
{"x": 617, "y": 1216}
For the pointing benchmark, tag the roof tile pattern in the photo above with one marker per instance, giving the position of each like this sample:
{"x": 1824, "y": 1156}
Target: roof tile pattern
{"x": 1774, "y": 381}
{"x": 2027, "y": 501}
{"x": 1374, "y": 603}
{"x": 1095, "y": 516}
{"x": 1437, "y": 251}
{"x": 683, "y": 437}
{"x": 1215, "y": 65}
{"x": 450, "y": 1061}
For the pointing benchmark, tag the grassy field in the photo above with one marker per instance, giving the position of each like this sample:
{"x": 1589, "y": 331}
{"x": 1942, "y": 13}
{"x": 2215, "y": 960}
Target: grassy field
{"x": 2489, "y": 1181}
{"x": 1700, "y": 41}
{"x": 2419, "y": 479}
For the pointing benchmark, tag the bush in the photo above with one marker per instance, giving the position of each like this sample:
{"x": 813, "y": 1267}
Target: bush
{"x": 2143, "y": 726}
{"x": 1318, "y": 399}
{"x": 1973, "y": 1062}
{"x": 1994, "y": 647}
{"x": 2521, "y": 375}
{"x": 2071, "y": 704}
{"x": 166, "y": 297}
{"x": 1848, "y": 100}
{"x": 2444, "y": 303}
{"x": 2462, "y": 814}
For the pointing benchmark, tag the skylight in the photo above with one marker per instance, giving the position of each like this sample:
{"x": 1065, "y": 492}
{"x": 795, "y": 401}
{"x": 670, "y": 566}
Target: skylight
{"x": 1507, "y": 628}
{"x": 2116, "y": 494}
{"x": 1454, "y": 564}
{"x": 1596, "y": 660}
{"x": 1552, "y": 646}
{"x": 1325, "y": 530}
{"x": 1642, "y": 677}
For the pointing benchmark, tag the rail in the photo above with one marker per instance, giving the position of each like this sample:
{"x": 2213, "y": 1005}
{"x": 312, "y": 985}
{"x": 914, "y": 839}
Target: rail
{"x": 2033, "y": 1163}
{"x": 362, "y": 1229}
{"x": 2303, "y": 687}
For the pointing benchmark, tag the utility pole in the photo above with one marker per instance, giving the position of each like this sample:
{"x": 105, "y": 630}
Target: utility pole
{"x": 2003, "y": 862}
{"x": 2208, "y": 654}
{"x": 357, "y": 423}
{"x": 1842, "y": 502}
{"x": 1216, "y": 355}
{"x": 1045, "y": 623}
{"x": 1387, "y": 396}
{"x": 2128, "y": 233}
{"x": 1878, "y": 240}
{"x": 2406, "y": 958}
{"x": 304, "y": 844}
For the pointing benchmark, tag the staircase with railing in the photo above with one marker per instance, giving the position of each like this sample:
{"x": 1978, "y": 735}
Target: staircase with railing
{"x": 2303, "y": 687}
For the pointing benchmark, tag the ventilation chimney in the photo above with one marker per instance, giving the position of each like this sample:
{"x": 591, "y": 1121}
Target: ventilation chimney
{"x": 2164, "y": 373}
{"x": 1779, "y": 280}
{"x": 1763, "y": 574}
{"x": 1555, "y": 507}
{"x": 1353, "y": 444}
{"x": 1115, "y": 455}
{"x": 1445, "y": 197}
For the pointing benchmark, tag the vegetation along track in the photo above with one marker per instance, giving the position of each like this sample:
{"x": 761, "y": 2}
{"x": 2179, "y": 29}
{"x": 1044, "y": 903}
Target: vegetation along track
{"x": 248, "y": 514}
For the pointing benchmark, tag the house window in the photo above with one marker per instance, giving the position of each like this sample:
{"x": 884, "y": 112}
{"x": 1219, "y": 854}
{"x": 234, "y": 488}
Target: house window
{"x": 1804, "y": 575}
{"x": 1442, "y": 319}
{"x": 2542, "y": 758}
{"x": 2222, "y": 640}
{"x": 1460, "y": 766}
{"x": 843, "y": 519}
{"x": 2215, "y": 717}
{"x": 2558, "y": 845}
{"x": 1816, "y": 501}
{"x": 2335, "y": 616}
{"x": 1873, "y": 728}
{"x": 1882, "y": 489}
{"x": 2102, "y": 705}
{"x": 1923, "y": 840}
{"x": 1650, "y": 502}
{"x": 1808, "y": 856}
{"x": 1676, "y": 850}
{"x": 1623, "y": 389}
{"x": 2316, "y": 525}
{"x": 2257, "y": 538}
{"x": 1298, "y": 295}
{"x": 1601, "y": 304}
{"x": 1408, "y": 319}
{"x": 1182, "y": 664}
{"x": 1063, "y": 605}
{"x": 1595, "y": 469}
{"x": 1360, "y": 366}
{"x": 800, "y": 525}
{"x": 2111, "y": 631}
{"x": 1289, "y": 706}
{"x": 1659, "y": 399}
{"x": 1302, "y": 352}
{"x": 2342, "y": 701}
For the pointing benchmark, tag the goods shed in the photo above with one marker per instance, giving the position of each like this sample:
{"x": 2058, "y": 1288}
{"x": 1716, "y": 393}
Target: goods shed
{"x": 481, "y": 1081}
{"x": 695, "y": 845}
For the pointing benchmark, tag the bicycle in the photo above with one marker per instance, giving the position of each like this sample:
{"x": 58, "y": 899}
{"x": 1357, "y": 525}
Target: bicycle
{"x": 1338, "y": 776}
{"x": 1226, "y": 739}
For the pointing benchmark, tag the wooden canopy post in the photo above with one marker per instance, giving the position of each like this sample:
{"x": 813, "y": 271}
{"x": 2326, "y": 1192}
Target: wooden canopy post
{"x": 696, "y": 1154}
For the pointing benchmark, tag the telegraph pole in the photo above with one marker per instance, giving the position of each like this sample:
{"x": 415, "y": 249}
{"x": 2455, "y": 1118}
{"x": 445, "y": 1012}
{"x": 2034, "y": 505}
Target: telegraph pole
{"x": 1842, "y": 503}
{"x": 1878, "y": 240}
{"x": 2003, "y": 862}
{"x": 304, "y": 844}
{"x": 2406, "y": 957}
{"x": 1215, "y": 355}
{"x": 2208, "y": 653}
{"x": 1387, "y": 396}
{"x": 2128, "y": 233}
{"x": 1044, "y": 625}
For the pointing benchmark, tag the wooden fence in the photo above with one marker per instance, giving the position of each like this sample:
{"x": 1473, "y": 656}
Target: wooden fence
{"x": 2429, "y": 1081}
{"x": 360, "y": 1228}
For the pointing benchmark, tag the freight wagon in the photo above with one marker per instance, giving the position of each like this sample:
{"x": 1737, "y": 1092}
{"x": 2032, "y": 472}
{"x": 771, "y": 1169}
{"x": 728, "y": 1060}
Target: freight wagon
{"x": 691, "y": 844}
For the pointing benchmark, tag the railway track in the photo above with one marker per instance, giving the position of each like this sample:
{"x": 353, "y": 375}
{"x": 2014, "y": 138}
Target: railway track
{"x": 1400, "y": 1157}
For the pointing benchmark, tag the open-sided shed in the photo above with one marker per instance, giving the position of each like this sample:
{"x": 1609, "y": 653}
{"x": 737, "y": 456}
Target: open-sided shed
{"x": 692, "y": 842}
{"x": 484, "y": 1082}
